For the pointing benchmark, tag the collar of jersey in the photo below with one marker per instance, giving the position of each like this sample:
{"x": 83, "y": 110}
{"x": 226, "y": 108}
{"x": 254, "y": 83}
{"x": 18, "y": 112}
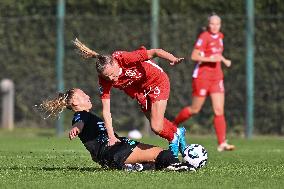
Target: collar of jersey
{"x": 215, "y": 36}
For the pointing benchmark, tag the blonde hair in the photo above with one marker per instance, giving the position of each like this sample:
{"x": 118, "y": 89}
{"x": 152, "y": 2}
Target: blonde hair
{"x": 213, "y": 14}
{"x": 86, "y": 53}
{"x": 83, "y": 50}
{"x": 54, "y": 107}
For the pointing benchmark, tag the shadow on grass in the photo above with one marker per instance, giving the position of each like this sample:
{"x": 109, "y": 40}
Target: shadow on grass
{"x": 80, "y": 169}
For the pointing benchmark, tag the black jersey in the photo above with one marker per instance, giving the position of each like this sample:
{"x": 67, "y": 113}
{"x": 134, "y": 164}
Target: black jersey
{"x": 94, "y": 127}
{"x": 95, "y": 138}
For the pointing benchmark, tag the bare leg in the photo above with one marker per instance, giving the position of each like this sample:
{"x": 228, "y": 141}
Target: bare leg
{"x": 144, "y": 153}
{"x": 218, "y": 100}
{"x": 197, "y": 103}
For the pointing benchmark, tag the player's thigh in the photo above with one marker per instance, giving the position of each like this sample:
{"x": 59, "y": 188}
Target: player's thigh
{"x": 158, "y": 109}
{"x": 197, "y": 103}
{"x": 144, "y": 153}
{"x": 218, "y": 100}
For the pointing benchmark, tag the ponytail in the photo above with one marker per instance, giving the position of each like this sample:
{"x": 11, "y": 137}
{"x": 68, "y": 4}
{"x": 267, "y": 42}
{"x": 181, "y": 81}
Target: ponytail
{"x": 83, "y": 50}
{"x": 55, "y": 106}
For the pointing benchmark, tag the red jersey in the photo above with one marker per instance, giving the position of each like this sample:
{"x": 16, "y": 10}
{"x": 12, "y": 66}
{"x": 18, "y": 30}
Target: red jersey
{"x": 137, "y": 74}
{"x": 209, "y": 44}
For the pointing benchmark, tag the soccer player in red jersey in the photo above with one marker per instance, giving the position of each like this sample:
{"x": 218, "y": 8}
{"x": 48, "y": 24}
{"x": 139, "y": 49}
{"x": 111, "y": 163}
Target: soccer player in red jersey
{"x": 140, "y": 78}
{"x": 208, "y": 79}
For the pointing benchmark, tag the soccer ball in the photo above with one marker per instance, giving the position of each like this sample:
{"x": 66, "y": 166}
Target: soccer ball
{"x": 195, "y": 155}
{"x": 135, "y": 134}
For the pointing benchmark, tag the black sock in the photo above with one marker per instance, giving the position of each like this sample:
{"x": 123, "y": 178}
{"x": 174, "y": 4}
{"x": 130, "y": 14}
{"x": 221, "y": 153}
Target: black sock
{"x": 164, "y": 159}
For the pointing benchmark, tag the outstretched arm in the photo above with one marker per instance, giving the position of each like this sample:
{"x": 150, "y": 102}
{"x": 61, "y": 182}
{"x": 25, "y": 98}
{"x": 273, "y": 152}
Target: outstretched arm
{"x": 108, "y": 122}
{"x": 152, "y": 53}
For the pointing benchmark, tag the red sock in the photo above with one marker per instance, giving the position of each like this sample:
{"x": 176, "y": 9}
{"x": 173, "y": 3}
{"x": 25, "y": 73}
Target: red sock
{"x": 170, "y": 124}
{"x": 220, "y": 128}
{"x": 168, "y": 130}
{"x": 183, "y": 115}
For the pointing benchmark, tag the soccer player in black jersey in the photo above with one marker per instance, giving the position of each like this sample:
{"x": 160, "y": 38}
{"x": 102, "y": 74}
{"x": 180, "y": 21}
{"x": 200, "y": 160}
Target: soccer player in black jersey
{"x": 92, "y": 133}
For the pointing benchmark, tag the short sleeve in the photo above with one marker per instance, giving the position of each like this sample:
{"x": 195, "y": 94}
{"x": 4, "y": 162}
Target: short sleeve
{"x": 80, "y": 117}
{"x": 125, "y": 57}
{"x": 201, "y": 42}
{"x": 104, "y": 88}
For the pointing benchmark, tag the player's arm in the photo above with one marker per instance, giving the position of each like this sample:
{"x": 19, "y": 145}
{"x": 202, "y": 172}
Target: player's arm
{"x": 108, "y": 122}
{"x": 197, "y": 56}
{"x": 105, "y": 87}
{"x": 200, "y": 47}
{"x": 152, "y": 53}
{"x": 77, "y": 128}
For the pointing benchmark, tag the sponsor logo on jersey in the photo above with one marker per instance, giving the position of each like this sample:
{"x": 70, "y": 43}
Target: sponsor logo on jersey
{"x": 133, "y": 74}
{"x": 216, "y": 50}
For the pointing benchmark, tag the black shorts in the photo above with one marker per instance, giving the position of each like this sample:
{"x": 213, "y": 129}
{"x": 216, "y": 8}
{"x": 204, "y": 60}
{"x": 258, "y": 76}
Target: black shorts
{"x": 111, "y": 156}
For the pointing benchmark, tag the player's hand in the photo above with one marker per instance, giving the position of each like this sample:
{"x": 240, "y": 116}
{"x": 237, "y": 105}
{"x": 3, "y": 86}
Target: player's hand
{"x": 177, "y": 61}
{"x": 112, "y": 141}
{"x": 73, "y": 133}
{"x": 227, "y": 62}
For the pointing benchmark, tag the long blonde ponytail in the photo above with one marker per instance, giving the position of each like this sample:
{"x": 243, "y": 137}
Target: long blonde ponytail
{"x": 55, "y": 106}
{"x": 83, "y": 50}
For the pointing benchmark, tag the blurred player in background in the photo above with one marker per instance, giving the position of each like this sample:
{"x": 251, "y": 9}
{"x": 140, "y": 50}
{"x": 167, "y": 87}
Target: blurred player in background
{"x": 140, "y": 78}
{"x": 126, "y": 154}
{"x": 208, "y": 79}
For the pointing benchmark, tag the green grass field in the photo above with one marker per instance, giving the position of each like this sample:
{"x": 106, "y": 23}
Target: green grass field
{"x": 31, "y": 159}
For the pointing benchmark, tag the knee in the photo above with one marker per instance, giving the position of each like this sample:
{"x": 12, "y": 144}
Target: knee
{"x": 218, "y": 111}
{"x": 194, "y": 110}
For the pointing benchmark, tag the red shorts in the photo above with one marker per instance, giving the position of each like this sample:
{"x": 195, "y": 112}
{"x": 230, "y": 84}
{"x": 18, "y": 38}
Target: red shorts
{"x": 203, "y": 87}
{"x": 147, "y": 96}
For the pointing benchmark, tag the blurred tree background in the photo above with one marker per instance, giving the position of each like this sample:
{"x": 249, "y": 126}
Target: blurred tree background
{"x": 28, "y": 49}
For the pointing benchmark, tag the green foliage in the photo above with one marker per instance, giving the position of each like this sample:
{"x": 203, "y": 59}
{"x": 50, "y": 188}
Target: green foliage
{"x": 31, "y": 161}
{"x": 28, "y": 51}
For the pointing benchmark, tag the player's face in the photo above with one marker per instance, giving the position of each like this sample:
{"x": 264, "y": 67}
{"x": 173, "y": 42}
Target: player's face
{"x": 214, "y": 24}
{"x": 81, "y": 101}
{"x": 111, "y": 71}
